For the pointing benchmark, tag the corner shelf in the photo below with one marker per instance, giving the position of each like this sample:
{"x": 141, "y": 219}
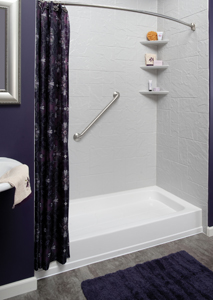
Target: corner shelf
{"x": 155, "y": 67}
{"x": 154, "y": 93}
{"x": 148, "y": 68}
{"x": 155, "y": 43}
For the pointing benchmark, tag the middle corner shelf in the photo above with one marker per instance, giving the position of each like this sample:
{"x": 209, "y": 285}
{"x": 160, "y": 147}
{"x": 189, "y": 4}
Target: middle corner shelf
{"x": 163, "y": 67}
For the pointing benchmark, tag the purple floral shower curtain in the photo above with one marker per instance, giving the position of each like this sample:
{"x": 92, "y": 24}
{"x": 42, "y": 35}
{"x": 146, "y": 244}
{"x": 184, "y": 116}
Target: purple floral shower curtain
{"x": 51, "y": 135}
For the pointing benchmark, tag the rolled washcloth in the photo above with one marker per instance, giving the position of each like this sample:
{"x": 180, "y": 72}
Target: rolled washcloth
{"x": 18, "y": 177}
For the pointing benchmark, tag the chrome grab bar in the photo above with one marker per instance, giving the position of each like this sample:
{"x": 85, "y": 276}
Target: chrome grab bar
{"x": 78, "y": 136}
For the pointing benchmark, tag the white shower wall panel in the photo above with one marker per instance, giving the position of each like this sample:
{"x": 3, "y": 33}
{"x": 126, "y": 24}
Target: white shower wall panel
{"x": 182, "y": 115}
{"x": 119, "y": 151}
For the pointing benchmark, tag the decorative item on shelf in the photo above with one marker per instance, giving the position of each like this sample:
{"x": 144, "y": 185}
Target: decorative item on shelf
{"x": 158, "y": 62}
{"x": 152, "y": 36}
{"x": 160, "y": 35}
{"x": 149, "y": 59}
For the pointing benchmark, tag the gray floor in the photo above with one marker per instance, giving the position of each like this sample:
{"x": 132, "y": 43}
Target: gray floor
{"x": 68, "y": 285}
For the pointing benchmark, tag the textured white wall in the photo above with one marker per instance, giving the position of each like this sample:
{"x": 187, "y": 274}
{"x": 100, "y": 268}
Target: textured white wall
{"x": 182, "y": 118}
{"x": 119, "y": 152}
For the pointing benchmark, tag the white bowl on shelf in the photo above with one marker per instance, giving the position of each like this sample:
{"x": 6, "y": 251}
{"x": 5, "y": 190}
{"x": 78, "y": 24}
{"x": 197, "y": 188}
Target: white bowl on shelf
{"x": 7, "y": 164}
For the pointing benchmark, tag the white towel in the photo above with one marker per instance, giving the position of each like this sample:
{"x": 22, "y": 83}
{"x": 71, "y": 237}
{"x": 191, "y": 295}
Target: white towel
{"x": 19, "y": 178}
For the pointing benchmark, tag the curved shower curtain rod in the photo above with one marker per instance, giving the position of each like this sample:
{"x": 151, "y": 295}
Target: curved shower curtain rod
{"x": 191, "y": 25}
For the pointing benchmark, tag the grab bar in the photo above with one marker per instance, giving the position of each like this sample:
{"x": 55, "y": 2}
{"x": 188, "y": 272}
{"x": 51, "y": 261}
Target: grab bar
{"x": 78, "y": 136}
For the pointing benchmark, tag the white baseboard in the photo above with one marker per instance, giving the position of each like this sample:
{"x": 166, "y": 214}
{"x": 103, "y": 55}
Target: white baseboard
{"x": 17, "y": 288}
{"x": 210, "y": 231}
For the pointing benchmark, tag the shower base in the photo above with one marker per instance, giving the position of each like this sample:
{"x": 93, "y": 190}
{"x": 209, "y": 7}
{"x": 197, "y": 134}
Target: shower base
{"x": 108, "y": 226}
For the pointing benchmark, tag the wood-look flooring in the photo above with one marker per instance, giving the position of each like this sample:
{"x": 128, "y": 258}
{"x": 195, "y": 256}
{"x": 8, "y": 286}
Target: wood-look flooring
{"x": 67, "y": 286}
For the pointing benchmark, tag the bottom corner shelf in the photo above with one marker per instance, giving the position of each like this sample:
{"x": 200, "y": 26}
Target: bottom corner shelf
{"x": 154, "y": 93}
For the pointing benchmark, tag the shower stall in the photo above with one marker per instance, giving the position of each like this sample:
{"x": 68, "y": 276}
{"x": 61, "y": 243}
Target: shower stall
{"x": 147, "y": 153}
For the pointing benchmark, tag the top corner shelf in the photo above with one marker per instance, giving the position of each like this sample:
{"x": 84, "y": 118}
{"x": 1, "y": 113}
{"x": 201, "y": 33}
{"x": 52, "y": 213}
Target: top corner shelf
{"x": 162, "y": 42}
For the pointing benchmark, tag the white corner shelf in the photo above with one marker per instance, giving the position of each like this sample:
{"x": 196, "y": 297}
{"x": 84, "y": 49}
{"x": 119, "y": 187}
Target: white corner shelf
{"x": 155, "y": 43}
{"x": 154, "y": 93}
{"x": 155, "y": 67}
{"x": 148, "y": 68}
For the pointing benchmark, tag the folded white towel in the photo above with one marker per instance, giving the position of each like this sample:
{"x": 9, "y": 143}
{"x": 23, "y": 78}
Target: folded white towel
{"x": 19, "y": 178}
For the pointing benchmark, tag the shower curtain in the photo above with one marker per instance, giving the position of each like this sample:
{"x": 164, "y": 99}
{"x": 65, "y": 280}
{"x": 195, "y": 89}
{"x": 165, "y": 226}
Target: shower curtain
{"x": 51, "y": 135}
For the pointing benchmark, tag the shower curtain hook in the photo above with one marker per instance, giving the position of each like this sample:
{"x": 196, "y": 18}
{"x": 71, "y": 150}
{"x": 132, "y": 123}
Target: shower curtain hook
{"x": 64, "y": 7}
{"x": 62, "y": 3}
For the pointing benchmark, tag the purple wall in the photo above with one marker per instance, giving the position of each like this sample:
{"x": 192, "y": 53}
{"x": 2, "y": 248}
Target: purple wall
{"x": 2, "y": 47}
{"x": 17, "y": 142}
{"x": 210, "y": 219}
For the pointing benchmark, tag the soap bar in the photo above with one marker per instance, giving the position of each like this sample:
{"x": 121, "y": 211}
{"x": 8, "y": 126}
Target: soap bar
{"x": 156, "y": 89}
{"x": 149, "y": 59}
{"x": 158, "y": 62}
